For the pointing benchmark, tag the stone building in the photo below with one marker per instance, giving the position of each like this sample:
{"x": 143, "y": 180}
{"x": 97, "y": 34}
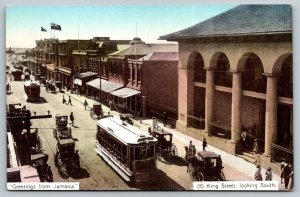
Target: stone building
{"x": 235, "y": 73}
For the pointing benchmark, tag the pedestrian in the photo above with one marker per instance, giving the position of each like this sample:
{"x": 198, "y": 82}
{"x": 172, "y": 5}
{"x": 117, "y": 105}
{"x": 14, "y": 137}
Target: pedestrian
{"x": 244, "y": 137}
{"x": 269, "y": 174}
{"x": 204, "y": 144}
{"x": 285, "y": 172}
{"x": 255, "y": 150}
{"x": 64, "y": 100}
{"x": 85, "y": 104}
{"x": 291, "y": 179}
{"x": 70, "y": 101}
{"x": 72, "y": 118}
{"x": 110, "y": 104}
{"x": 257, "y": 175}
{"x": 149, "y": 131}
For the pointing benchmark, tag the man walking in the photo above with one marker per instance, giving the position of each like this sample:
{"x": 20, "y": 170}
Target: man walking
{"x": 70, "y": 101}
{"x": 72, "y": 118}
{"x": 64, "y": 100}
{"x": 85, "y": 104}
{"x": 204, "y": 144}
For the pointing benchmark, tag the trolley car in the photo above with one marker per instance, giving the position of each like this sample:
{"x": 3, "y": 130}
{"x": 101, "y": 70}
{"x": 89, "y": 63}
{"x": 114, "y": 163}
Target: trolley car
{"x": 32, "y": 90}
{"x": 128, "y": 150}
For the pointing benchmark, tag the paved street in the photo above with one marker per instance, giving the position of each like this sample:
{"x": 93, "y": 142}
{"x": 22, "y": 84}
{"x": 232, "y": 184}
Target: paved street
{"x": 95, "y": 174}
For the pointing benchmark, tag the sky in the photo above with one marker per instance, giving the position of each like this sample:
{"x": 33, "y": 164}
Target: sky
{"x": 23, "y": 23}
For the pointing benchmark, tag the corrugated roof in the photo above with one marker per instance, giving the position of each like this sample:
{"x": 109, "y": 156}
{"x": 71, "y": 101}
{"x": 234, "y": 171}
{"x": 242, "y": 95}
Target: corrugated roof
{"x": 144, "y": 49}
{"x": 168, "y": 56}
{"x": 241, "y": 20}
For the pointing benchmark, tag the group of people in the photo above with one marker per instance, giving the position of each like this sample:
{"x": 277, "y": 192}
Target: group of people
{"x": 258, "y": 175}
{"x": 287, "y": 175}
{"x": 192, "y": 146}
{"x": 65, "y": 102}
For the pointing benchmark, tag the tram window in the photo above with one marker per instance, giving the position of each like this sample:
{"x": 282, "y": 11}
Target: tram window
{"x": 138, "y": 154}
{"x": 150, "y": 151}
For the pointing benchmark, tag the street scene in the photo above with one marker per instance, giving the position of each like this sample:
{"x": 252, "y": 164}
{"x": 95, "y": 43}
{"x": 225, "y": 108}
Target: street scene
{"x": 204, "y": 103}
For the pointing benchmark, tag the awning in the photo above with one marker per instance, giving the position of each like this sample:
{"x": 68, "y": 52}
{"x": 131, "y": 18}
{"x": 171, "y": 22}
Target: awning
{"x": 125, "y": 92}
{"x": 85, "y": 75}
{"x": 66, "y": 71}
{"x": 51, "y": 67}
{"x": 78, "y": 82}
{"x": 106, "y": 86}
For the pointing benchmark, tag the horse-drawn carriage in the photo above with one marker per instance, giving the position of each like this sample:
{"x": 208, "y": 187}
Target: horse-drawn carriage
{"x": 62, "y": 131}
{"x": 204, "y": 165}
{"x": 43, "y": 169}
{"x": 165, "y": 147}
{"x": 96, "y": 112}
{"x": 17, "y": 74}
{"x": 50, "y": 87}
{"x": 66, "y": 158}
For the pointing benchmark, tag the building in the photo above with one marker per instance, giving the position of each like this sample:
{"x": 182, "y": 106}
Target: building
{"x": 125, "y": 67}
{"x": 160, "y": 85}
{"x": 235, "y": 73}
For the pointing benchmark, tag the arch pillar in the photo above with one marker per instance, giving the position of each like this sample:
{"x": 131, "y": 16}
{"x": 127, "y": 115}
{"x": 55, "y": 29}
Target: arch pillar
{"x": 271, "y": 114}
{"x": 236, "y": 107}
{"x": 182, "y": 97}
{"x": 209, "y": 98}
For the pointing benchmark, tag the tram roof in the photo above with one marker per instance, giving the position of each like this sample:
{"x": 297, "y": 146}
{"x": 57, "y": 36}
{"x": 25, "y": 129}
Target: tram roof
{"x": 31, "y": 83}
{"x": 125, "y": 132}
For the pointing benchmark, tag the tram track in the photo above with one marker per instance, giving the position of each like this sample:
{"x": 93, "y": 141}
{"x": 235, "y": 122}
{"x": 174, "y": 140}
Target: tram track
{"x": 82, "y": 161}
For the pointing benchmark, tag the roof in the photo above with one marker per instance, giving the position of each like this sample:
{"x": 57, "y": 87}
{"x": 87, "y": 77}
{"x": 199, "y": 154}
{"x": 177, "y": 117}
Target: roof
{"x": 125, "y": 92}
{"x": 161, "y": 56}
{"x": 106, "y": 86}
{"x": 124, "y": 132}
{"x": 31, "y": 83}
{"x": 144, "y": 49}
{"x": 207, "y": 154}
{"x": 241, "y": 20}
{"x": 66, "y": 141}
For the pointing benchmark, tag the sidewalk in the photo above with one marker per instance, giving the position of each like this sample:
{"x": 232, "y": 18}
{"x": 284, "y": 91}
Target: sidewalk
{"x": 236, "y": 162}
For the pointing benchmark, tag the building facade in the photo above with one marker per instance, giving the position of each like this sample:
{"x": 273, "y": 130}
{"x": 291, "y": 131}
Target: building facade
{"x": 235, "y": 74}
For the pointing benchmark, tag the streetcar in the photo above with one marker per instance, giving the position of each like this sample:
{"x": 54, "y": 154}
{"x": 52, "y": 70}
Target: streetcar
{"x": 32, "y": 90}
{"x": 127, "y": 149}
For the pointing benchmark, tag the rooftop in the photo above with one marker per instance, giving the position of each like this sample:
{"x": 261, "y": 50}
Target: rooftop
{"x": 241, "y": 20}
{"x": 144, "y": 49}
{"x": 161, "y": 56}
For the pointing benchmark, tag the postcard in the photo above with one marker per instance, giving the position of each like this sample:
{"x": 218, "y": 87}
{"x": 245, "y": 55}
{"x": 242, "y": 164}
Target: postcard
{"x": 156, "y": 97}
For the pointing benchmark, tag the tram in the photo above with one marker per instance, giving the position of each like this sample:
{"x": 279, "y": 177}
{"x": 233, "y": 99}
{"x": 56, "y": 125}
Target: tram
{"x": 127, "y": 149}
{"x": 32, "y": 90}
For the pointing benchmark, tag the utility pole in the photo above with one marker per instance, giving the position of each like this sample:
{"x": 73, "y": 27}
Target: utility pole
{"x": 99, "y": 67}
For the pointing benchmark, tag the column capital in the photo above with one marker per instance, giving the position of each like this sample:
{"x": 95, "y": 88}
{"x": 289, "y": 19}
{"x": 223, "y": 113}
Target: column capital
{"x": 271, "y": 75}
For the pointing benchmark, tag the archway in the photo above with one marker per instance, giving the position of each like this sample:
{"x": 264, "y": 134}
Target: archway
{"x": 284, "y": 67}
{"x": 222, "y": 104}
{"x": 253, "y": 104}
{"x": 197, "y": 76}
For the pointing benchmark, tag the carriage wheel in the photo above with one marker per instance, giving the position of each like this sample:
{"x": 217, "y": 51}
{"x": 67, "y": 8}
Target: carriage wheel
{"x": 222, "y": 176}
{"x": 159, "y": 153}
{"x": 191, "y": 171}
{"x": 200, "y": 177}
{"x": 174, "y": 151}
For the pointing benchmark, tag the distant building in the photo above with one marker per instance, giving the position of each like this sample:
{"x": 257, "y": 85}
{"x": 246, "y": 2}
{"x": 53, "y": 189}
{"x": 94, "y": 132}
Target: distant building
{"x": 235, "y": 73}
